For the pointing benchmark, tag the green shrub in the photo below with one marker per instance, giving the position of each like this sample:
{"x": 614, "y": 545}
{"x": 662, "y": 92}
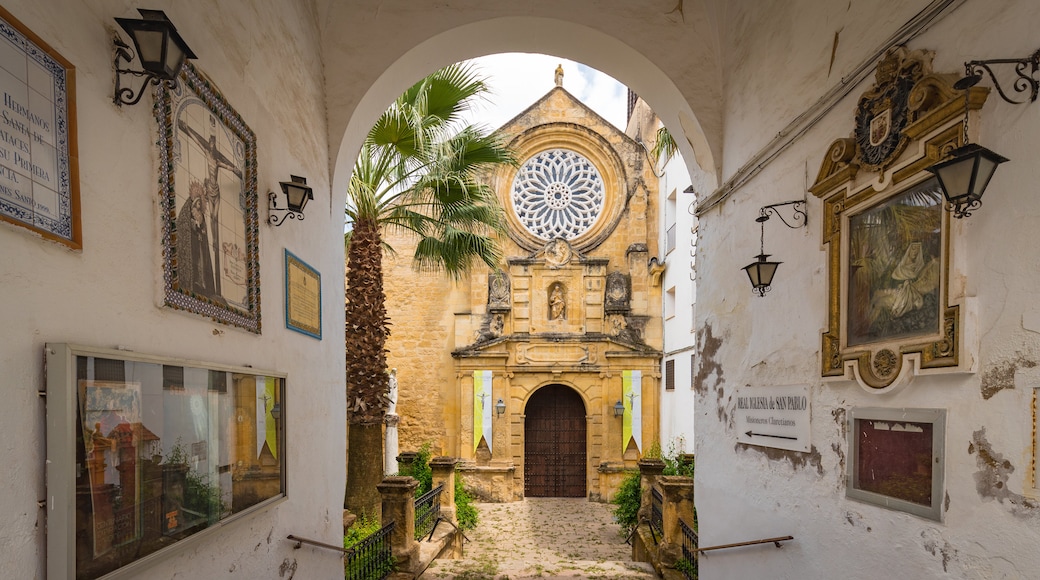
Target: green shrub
{"x": 420, "y": 470}
{"x": 364, "y": 526}
{"x": 626, "y": 514}
{"x": 464, "y": 510}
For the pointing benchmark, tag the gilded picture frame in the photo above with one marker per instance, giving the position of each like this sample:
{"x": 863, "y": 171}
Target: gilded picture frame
{"x": 891, "y": 312}
{"x": 208, "y": 177}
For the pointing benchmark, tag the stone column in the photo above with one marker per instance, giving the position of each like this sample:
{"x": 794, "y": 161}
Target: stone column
{"x": 398, "y": 494}
{"x": 390, "y": 446}
{"x": 677, "y": 495}
{"x": 444, "y": 472}
{"x": 649, "y": 471}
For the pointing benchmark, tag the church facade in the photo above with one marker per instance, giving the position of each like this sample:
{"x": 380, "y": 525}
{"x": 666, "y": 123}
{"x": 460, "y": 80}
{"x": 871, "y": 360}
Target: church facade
{"x": 552, "y": 384}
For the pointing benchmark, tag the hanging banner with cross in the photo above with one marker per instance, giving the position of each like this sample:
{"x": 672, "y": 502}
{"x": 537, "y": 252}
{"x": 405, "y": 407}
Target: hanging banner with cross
{"x": 482, "y": 405}
{"x": 632, "y": 397}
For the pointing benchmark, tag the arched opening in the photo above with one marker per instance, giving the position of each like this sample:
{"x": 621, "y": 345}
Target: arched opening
{"x": 355, "y": 106}
{"x": 555, "y": 463}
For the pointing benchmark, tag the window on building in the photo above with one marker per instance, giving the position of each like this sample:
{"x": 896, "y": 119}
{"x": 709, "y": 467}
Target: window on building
{"x": 669, "y": 302}
{"x": 669, "y": 375}
{"x": 897, "y": 459}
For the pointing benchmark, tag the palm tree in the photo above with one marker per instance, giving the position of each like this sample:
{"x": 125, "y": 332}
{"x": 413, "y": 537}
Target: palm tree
{"x": 419, "y": 170}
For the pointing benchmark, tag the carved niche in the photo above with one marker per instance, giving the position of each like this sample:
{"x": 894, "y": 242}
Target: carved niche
{"x": 891, "y": 310}
{"x": 617, "y": 295}
{"x": 498, "y": 292}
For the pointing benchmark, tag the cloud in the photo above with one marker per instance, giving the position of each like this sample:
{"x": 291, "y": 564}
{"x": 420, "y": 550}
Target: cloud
{"x": 517, "y": 80}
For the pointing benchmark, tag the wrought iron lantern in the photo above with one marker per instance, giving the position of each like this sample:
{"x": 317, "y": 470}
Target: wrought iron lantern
{"x": 297, "y": 194}
{"x": 276, "y": 411}
{"x": 619, "y": 409}
{"x": 500, "y": 407}
{"x": 966, "y": 171}
{"x": 159, "y": 47}
{"x": 761, "y": 271}
{"x": 964, "y": 175}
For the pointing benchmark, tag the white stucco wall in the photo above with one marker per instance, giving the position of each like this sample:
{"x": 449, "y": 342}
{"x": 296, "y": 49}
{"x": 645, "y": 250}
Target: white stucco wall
{"x": 106, "y": 294}
{"x": 744, "y": 493}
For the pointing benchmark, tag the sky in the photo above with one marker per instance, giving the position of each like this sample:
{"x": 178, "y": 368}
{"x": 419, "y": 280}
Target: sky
{"x": 517, "y": 80}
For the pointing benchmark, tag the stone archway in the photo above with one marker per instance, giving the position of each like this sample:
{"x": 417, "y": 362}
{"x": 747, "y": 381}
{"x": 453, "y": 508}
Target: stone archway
{"x": 555, "y": 462}
{"x": 355, "y": 100}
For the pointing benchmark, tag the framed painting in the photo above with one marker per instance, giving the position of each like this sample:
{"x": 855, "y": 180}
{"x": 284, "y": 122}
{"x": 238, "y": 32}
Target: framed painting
{"x": 892, "y": 312}
{"x": 302, "y": 297}
{"x": 209, "y": 203}
{"x": 39, "y": 170}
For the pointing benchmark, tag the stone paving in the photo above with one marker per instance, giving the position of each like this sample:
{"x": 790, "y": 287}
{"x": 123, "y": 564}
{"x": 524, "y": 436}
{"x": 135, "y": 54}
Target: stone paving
{"x": 543, "y": 538}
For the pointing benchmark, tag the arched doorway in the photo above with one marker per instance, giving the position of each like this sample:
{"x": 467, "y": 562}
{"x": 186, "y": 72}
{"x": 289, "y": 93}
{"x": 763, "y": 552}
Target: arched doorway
{"x": 554, "y": 444}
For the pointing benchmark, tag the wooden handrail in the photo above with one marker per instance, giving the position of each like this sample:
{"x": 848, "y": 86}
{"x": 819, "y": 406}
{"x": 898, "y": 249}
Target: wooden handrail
{"x": 751, "y": 543}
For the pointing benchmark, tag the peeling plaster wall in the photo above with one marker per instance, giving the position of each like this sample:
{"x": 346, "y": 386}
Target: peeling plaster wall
{"x": 106, "y": 295}
{"x": 778, "y": 58}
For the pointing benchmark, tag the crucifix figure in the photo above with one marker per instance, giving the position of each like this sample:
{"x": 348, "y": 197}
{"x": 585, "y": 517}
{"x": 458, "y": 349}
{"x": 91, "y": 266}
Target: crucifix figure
{"x": 200, "y": 216}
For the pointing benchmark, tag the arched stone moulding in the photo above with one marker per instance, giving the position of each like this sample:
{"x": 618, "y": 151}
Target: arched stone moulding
{"x": 903, "y": 124}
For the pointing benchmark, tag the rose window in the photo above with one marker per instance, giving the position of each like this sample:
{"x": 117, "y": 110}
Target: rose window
{"x": 557, "y": 194}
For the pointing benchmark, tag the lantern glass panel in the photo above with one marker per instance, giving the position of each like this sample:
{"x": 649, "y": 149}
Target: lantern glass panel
{"x": 149, "y": 48}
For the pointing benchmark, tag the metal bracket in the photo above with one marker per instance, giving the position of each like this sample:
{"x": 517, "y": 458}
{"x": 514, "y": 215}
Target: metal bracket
{"x": 798, "y": 215}
{"x": 1025, "y": 81}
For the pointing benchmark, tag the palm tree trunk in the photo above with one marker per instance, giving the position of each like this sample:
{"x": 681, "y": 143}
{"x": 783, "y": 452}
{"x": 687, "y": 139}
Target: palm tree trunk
{"x": 366, "y": 332}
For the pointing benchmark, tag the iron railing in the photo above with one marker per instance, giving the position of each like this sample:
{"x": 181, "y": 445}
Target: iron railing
{"x": 688, "y": 564}
{"x": 371, "y": 558}
{"x": 656, "y": 512}
{"x": 427, "y": 511}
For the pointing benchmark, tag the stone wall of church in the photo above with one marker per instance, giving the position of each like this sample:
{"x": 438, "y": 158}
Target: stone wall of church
{"x": 537, "y": 331}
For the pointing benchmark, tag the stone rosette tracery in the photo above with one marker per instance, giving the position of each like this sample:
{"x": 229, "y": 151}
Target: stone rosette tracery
{"x": 557, "y": 193}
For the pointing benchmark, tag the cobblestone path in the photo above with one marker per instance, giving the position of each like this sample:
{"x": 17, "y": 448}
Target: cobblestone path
{"x": 543, "y": 538}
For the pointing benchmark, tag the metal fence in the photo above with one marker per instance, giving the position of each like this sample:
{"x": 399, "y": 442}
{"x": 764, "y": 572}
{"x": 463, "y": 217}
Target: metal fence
{"x": 688, "y": 564}
{"x": 371, "y": 558}
{"x": 427, "y": 510}
{"x": 656, "y": 513}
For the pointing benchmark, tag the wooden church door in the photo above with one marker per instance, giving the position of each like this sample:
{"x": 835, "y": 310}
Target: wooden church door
{"x": 554, "y": 444}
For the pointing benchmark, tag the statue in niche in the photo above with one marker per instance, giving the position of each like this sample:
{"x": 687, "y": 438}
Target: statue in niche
{"x": 498, "y": 289}
{"x": 557, "y": 302}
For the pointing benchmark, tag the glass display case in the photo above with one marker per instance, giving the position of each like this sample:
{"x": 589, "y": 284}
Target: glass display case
{"x": 144, "y": 452}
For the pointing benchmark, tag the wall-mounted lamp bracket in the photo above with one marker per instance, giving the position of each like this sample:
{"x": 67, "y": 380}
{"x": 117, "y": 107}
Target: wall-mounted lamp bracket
{"x": 158, "y": 46}
{"x": 798, "y": 216}
{"x": 1025, "y": 80}
{"x": 125, "y": 95}
{"x": 297, "y": 194}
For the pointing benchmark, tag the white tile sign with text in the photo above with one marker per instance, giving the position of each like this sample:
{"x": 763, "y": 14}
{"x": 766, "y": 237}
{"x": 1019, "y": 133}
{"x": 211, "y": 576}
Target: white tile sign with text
{"x": 773, "y": 416}
{"x": 35, "y": 170}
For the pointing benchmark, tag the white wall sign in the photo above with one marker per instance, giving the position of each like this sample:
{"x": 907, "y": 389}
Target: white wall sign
{"x": 774, "y": 416}
{"x": 38, "y": 186}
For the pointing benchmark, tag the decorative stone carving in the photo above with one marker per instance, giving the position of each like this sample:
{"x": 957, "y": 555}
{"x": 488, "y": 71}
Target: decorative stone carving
{"x": 557, "y": 253}
{"x": 498, "y": 292}
{"x": 617, "y": 295}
